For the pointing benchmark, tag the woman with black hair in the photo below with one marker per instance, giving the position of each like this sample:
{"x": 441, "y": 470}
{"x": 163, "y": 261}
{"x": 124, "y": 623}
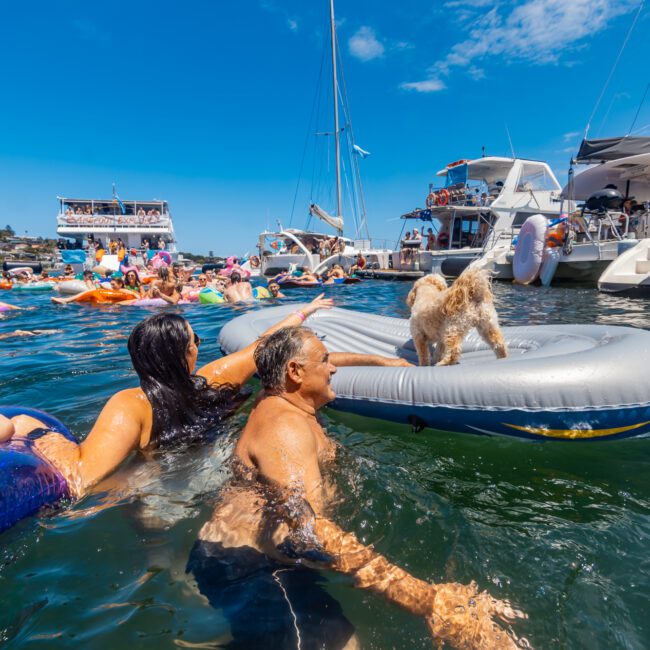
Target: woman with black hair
{"x": 173, "y": 405}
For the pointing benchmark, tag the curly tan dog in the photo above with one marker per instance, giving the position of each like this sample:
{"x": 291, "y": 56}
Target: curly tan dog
{"x": 444, "y": 316}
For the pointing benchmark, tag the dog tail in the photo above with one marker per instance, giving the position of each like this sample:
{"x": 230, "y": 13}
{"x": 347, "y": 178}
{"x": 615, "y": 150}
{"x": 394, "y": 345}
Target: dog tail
{"x": 471, "y": 286}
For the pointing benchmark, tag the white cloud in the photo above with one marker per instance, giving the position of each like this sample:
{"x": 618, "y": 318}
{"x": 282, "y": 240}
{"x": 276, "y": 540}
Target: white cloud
{"x": 533, "y": 31}
{"x": 571, "y": 135}
{"x": 426, "y": 86}
{"x": 293, "y": 24}
{"x": 365, "y": 45}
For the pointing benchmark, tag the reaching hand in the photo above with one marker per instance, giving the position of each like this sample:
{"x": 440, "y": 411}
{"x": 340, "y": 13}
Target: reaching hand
{"x": 463, "y": 618}
{"x": 318, "y": 303}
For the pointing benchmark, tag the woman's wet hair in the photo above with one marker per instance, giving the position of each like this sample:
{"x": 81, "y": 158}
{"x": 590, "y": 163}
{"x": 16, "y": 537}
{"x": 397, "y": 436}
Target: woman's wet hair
{"x": 274, "y": 352}
{"x": 184, "y": 405}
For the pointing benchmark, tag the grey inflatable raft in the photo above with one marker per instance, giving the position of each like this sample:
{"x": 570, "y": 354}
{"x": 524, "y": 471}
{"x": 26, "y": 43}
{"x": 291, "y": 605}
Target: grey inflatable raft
{"x": 569, "y": 382}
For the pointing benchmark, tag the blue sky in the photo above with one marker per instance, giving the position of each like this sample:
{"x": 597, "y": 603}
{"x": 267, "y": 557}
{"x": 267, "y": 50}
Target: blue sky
{"x": 207, "y": 104}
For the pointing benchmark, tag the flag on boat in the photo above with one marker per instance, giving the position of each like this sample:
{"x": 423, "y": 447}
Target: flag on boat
{"x": 335, "y": 222}
{"x": 118, "y": 200}
{"x": 360, "y": 152}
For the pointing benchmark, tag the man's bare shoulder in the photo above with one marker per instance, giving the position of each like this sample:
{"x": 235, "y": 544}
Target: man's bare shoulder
{"x": 275, "y": 423}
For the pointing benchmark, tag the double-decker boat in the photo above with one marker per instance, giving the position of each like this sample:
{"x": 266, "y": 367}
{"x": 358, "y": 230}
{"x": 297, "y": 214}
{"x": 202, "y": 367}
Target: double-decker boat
{"x": 140, "y": 225}
{"x": 480, "y": 208}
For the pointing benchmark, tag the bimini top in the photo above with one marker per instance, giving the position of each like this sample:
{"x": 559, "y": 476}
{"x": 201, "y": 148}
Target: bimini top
{"x": 567, "y": 382}
{"x": 595, "y": 151}
{"x": 490, "y": 168}
{"x": 631, "y": 176}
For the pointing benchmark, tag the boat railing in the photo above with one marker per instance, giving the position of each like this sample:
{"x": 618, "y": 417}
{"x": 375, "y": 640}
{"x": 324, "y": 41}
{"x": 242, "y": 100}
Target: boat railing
{"x": 113, "y": 221}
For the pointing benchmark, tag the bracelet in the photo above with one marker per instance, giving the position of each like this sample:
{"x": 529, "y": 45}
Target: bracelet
{"x": 300, "y": 315}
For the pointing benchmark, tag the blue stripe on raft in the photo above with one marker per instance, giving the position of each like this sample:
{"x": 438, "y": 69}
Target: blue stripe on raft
{"x": 27, "y": 481}
{"x": 566, "y": 424}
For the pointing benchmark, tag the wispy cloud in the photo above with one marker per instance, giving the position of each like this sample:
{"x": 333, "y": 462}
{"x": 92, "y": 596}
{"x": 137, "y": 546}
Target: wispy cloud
{"x": 571, "y": 135}
{"x": 365, "y": 45}
{"x": 534, "y": 31}
{"x": 426, "y": 86}
{"x": 273, "y": 8}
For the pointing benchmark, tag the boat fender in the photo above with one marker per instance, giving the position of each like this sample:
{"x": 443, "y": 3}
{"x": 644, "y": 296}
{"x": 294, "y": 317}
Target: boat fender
{"x": 529, "y": 249}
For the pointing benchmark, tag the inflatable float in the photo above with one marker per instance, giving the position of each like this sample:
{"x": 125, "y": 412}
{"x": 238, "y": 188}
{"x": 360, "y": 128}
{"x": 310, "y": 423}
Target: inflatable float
{"x": 5, "y": 306}
{"x": 34, "y": 286}
{"x": 103, "y": 296}
{"x": 27, "y": 481}
{"x": 71, "y": 287}
{"x": 563, "y": 382}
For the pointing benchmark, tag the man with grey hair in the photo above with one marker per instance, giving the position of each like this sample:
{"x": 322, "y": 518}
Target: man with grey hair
{"x": 275, "y": 514}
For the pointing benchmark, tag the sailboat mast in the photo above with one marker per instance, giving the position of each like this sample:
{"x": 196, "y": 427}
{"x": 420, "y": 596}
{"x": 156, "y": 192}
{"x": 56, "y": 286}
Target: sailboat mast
{"x": 335, "y": 88}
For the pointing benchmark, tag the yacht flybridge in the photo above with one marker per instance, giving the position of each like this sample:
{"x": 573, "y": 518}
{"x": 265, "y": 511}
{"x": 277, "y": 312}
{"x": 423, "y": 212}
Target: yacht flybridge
{"x": 280, "y": 249}
{"x": 480, "y": 208}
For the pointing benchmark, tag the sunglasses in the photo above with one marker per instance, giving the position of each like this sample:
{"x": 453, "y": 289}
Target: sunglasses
{"x": 197, "y": 339}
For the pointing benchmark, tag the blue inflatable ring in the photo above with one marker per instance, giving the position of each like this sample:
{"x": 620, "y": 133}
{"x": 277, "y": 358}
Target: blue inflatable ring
{"x": 27, "y": 481}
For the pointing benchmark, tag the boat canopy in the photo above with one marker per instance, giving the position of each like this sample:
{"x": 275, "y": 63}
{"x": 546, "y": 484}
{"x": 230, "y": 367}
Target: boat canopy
{"x": 490, "y": 169}
{"x": 595, "y": 151}
{"x": 631, "y": 176}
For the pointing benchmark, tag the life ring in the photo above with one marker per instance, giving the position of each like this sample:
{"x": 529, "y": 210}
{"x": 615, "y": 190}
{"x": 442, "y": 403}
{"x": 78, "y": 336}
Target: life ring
{"x": 431, "y": 200}
{"x": 529, "y": 250}
{"x": 457, "y": 162}
{"x": 254, "y": 261}
{"x": 443, "y": 197}
{"x": 443, "y": 240}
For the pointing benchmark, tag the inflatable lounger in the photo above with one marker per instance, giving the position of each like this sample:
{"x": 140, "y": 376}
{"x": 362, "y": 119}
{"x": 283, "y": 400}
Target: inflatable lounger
{"x": 27, "y": 481}
{"x": 568, "y": 382}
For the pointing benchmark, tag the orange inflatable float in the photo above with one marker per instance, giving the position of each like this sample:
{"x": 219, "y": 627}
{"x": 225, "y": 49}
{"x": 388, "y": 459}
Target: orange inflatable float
{"x": 6, "y": 285}
{"x": 103, "y": 296}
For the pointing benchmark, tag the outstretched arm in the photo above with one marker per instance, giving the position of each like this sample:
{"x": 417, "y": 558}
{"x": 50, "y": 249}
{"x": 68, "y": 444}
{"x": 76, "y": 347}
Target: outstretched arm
{"x": 237, "y": 368}
{"x": 455, "y": 613}
{"x": 341, "y": 359}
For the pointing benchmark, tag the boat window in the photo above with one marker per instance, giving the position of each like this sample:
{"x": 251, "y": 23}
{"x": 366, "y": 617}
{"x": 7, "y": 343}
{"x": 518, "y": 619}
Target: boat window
{"x": 535, "y": 178}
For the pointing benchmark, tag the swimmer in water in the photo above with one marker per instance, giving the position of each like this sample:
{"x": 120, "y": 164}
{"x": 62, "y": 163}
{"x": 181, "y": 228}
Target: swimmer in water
{"x": 238, "y": 291}
{"x": 25, "y": 333}
{"x": 274, "y": 290}
{"x": 174, "y": 404}
{"x": 272, "y": 524}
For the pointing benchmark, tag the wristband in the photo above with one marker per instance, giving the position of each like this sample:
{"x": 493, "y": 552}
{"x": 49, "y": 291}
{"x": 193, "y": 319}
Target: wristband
{"x": 300, "y": 315}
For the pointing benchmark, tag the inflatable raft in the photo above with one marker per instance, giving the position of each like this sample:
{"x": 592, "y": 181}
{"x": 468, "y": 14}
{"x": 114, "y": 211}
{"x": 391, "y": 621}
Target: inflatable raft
{"x": 567, "y": 382}
{"x": 27, "y": 481}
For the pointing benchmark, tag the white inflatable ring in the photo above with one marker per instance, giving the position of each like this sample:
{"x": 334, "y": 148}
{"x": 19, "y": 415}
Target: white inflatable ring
{"x": 529, "y": 249}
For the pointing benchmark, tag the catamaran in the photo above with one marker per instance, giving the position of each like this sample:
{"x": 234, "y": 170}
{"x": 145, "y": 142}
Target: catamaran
{"x": 280, "y": 249}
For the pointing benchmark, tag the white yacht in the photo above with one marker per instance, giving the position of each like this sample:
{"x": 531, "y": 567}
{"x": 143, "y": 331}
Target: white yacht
{"x": 104, "y": 219}
{"x": 302, "y": 247}
{"x": 478, "y": 212}
{"x": 624, "y": 169}
{"x": 600, "y": 230}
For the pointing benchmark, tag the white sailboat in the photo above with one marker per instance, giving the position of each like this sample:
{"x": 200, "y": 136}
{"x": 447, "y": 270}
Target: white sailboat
{"x": 285, "y": 247}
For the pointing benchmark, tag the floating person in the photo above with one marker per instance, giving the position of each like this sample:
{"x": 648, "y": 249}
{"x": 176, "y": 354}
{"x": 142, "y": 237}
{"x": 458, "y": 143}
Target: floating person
{"x": 274, "y": 290}
{"x": 270, "y": 528}
{"x": 238, "y": 291}
{"x": 26, "y": 333}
